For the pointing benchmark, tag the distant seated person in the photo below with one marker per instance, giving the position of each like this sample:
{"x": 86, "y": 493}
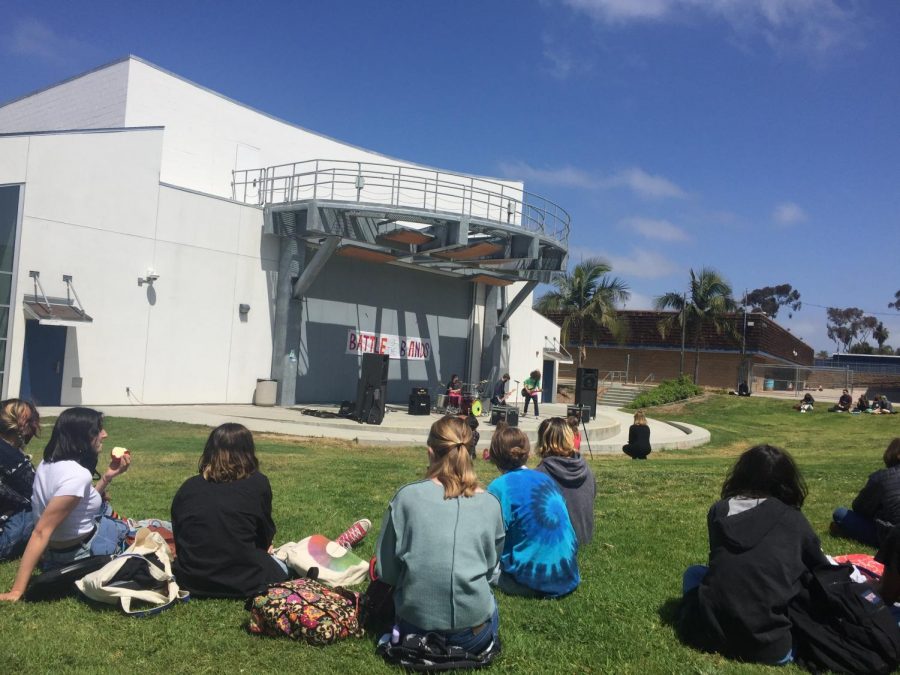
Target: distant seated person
{"x": 843, "y": 404}
{"x": 454, "y": 391}
{"x": 806, "y": 405}
{"x": 877, "y": 506}
{"x": 500, "y": 393}
{"x": 743, "y": 389}
{"x": 881, "y": 406}
{"x": 862, "y": 404}
{"x": 638, "y": 446}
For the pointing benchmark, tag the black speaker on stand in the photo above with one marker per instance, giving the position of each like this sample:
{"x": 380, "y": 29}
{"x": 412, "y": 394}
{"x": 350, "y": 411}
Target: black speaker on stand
{"x": 372, "y": 389}
{"x": 586, "y": 380}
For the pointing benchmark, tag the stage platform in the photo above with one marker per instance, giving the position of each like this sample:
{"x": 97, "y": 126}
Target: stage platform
{"x": 606, "y": 434}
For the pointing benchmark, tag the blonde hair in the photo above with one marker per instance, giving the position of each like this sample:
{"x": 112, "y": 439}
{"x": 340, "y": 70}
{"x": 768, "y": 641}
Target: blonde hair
{"x": 639, "y": 418}
{"x": 509, "y": 448}
{"x": 557, "y": 438}
{"x": 451, "y": 465}
{"x": 19, "y": 422}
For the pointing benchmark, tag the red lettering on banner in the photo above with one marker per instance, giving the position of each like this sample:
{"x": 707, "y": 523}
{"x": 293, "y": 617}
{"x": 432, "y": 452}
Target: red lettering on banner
{"x": 352, "y": 343}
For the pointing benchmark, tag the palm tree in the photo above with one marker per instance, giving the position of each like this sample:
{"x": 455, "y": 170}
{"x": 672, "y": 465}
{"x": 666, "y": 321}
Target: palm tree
{"x": 707, "y": 303}
{"x": 881, "y": 334}
{"x": 588, "y": 296}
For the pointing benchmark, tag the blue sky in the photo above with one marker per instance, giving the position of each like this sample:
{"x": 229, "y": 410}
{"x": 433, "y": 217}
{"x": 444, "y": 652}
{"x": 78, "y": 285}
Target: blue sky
{"x": 758, "y": 137}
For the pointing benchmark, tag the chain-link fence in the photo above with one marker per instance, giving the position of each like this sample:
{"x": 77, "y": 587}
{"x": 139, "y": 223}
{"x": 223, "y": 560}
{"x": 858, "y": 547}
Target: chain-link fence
{"x": 799, "y": 379}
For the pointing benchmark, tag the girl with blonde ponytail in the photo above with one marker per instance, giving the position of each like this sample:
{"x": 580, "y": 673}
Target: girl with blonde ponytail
{"x": 440, "y": 542}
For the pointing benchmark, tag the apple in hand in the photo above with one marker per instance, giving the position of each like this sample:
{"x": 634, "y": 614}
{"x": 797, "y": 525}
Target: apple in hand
{"x": 117, "y": 455}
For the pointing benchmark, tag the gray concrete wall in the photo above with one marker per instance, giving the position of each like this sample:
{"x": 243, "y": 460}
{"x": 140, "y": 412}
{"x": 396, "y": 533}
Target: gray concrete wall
{"x": 380, "y": 299}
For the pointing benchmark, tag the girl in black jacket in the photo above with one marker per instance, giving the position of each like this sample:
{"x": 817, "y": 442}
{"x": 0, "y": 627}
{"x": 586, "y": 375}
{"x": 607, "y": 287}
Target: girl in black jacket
{"x": 760, "y": 547}
{"x": 877, "y": 506}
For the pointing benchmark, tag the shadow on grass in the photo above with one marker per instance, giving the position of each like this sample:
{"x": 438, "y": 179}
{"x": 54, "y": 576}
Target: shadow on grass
{"x": 668, "y": 611}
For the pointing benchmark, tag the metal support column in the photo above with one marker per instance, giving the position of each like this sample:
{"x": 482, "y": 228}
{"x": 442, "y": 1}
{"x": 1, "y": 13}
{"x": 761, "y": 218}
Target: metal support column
{"x": 286, "y": 337}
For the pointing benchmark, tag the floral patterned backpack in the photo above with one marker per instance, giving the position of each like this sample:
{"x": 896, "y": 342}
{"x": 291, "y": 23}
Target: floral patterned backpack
{"x": 305, "y": 609}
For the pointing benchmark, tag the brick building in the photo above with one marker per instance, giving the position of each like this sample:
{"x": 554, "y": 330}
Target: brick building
{"x": 644, "y": 353}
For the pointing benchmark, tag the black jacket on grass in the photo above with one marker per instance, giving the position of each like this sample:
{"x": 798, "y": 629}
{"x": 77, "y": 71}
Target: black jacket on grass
{"x": 880, "y": 497}
{"x": 222, "y": 532}
{"x": 758, "y": 561}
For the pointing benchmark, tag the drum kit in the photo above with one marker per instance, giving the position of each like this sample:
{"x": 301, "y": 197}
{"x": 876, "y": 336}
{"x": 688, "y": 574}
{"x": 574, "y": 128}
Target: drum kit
{"x": 470, "y": 401}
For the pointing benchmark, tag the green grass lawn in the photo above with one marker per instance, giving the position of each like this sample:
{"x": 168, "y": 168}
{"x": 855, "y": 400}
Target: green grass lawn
{"x": 650, "y": 526}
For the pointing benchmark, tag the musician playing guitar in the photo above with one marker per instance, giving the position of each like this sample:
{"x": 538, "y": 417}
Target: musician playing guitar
{"x": 500, "y": 393}
{"x": 530, "y": 390}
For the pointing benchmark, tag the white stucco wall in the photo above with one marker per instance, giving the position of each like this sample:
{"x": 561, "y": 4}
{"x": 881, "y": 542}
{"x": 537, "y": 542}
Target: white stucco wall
{"x": 528, "y": 331}
{"x": 95, "y": 100}
{"x": 94, "y": 208}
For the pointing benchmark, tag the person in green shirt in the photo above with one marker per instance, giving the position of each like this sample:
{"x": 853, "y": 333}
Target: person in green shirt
{"x": 530, "y": 390}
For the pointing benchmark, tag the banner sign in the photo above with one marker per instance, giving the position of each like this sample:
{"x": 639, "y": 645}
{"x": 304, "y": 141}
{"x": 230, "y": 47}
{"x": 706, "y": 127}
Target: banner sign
{"x": 395, "y": 346}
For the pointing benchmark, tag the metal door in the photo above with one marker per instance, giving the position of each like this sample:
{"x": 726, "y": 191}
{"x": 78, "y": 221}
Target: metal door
{"x": 42, "y": 363}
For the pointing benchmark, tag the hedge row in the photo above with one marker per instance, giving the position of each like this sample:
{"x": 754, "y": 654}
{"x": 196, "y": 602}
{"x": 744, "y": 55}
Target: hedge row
{"x": 668, "y": 391}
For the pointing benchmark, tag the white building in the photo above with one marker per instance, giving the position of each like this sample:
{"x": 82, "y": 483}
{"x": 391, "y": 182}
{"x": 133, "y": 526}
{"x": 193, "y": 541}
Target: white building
{"x": 161, "y": 243}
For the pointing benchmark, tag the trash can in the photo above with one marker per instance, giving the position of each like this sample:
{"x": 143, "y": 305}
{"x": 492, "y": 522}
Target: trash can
{"x": 266, "y": 392}
{"x": 769, "y": 385}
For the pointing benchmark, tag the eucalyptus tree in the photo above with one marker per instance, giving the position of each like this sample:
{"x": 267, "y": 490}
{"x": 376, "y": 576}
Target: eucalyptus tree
{"x": 587, "y": 297}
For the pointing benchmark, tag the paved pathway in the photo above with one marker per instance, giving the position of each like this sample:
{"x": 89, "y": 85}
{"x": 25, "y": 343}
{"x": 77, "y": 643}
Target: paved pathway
{"x": 607, "y": 433}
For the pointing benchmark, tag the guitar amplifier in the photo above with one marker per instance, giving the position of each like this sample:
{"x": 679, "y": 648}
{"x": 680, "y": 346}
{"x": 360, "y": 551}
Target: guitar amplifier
{"x": 582, "y": 412}
{"x": 419, "y": 402}
{"x": 502, "y": 413}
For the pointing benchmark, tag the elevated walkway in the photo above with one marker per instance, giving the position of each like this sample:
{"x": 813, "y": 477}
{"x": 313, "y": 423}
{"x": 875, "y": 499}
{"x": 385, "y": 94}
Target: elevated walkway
{"x": 607, "y": 433}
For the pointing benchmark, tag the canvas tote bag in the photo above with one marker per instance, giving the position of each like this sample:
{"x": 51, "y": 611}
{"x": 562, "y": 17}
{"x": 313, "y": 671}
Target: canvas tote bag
{"x": 158, "y": 588}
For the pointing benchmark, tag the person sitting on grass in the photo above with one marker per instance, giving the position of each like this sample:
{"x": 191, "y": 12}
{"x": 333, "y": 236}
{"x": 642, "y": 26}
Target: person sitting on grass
{"x": 881, "y": 406}
{"x": 761, "y": 547}
{"x": 877, "y": 506}
{"x": 19, "y": 423}
{"x": 440, "y": 542}
{"x": 638, "y": 445}
{"x": 539, "y": 558}
{"x": 806, "y": 404}
{"x": 862, "y": 404}
{"x": 222, "y": 521}
{"x": 844, "y": 403}
{"x": 573, "y": 421}
{"x": 570, "y": 471}
{"x": 73, "y": 519}
{"x": 889, "y": 585}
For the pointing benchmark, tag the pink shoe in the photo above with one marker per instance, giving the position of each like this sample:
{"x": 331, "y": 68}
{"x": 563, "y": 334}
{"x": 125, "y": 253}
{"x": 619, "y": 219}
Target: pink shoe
{"x": 355, "y": 533}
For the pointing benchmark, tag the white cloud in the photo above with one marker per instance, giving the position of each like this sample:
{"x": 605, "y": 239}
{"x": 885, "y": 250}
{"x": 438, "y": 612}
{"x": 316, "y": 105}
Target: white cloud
{"x": 810, "y": 25}
{"x": 651, "y": 228}
{"x": 32, "y": 38}
{"x": 635, "y": 179}
{"x": 638, "y": 301}
{"x": 559, "y": 62}
{"x": 789, "y": 213}
{"x": 640, "y": 264}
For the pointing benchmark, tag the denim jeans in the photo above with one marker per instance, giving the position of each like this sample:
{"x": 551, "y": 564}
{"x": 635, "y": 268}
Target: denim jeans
{"x": 473, "y": 640}
{"x": 108, "y": 539}
{"x": 15, "y": 534}
{"x": 856, "y": 526}
{"x": 532, "y": 397}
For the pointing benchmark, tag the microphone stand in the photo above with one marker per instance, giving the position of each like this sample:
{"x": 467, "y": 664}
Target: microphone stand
{"x": 517, "y": 395}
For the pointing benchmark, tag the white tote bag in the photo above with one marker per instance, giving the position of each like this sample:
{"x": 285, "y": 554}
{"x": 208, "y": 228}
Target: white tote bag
{"x": 100, "y": 587}
{"x": 337, "y": 566}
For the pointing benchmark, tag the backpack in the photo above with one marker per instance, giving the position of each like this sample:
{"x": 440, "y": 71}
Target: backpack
{"x": 843, "y": 626}
{"x": 307, "y": 610}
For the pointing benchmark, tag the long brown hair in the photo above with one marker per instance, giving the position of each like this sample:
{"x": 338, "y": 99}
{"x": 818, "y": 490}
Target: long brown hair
{"x": 229, "y": 454}
{"x": 451, "y": 465}
{"x": 892, "y": 454}
{"x": 640, "y": 419}
{"x": 557, "y": 439}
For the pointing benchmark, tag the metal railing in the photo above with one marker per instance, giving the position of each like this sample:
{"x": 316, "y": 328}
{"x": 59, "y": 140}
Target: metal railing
{"x": 403, "y": 186}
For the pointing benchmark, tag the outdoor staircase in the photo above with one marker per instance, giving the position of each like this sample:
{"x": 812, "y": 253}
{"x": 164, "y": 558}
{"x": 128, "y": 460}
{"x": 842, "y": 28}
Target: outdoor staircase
{"x": 620, "y": 395}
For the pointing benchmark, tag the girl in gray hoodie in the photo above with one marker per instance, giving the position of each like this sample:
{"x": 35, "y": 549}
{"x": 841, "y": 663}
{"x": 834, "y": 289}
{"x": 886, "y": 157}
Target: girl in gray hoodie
{"x": 568, "y": 468}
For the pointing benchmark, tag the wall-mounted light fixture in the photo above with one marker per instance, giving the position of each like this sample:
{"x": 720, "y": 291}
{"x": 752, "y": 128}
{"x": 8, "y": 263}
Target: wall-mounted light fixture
{"x": 149, "y": 279}
{"x": 244, "y": 309}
